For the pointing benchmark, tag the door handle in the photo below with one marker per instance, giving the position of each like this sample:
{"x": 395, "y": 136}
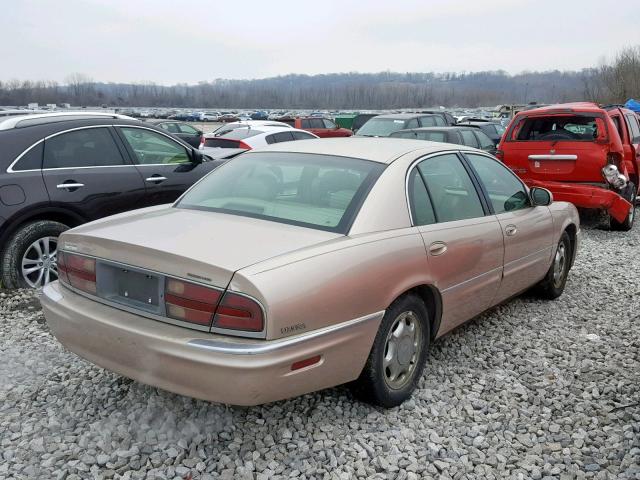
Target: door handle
{"x": 155, "y": 179}
{"x": 437, "y": 248}
{"x": 511, "y": 230}
{"x": 66, "y": 186}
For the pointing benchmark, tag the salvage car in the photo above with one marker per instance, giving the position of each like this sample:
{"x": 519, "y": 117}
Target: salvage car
{"x": 58, "y": 170}
{"x": 248, "y": 138}
{"x": 385, "y": 125}
{"x": 306, "y": 265}
{"x": 583, "y": 153}
{"x": 459, "y": 135}
{"x": 182, "y": 130}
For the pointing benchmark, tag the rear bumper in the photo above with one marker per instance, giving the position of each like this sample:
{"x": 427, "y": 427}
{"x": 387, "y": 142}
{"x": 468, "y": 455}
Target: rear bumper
{"x": 202, "y": 365}
{"x": 587, "y": 196}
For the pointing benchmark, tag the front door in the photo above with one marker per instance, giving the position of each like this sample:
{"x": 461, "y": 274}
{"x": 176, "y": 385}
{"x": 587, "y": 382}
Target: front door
{"x": 463, "y": 243}
{"x": 527, "y": 230}
{"x": 85, "y": 170}
{"x": 164, "y": 164}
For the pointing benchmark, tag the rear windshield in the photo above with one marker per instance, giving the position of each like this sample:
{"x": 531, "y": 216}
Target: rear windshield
{"x": 558, "y": 128}
{"x": 221, "y": 143}
{"x": 421, "y": 135}
{"x": 381, "y": 127}
{"x": 316, "y": 191}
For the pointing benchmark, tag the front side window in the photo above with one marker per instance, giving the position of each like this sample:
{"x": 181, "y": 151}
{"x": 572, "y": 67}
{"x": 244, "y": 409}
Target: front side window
{"x": 427, "y": 122}
{"x": 634, "y": 128}
{"x": 88, "y": 147}
{"x": 316, "y": 123}
{"x": 506, "y": 193}
{"x": 305, "y": 123}
{"x": 184, "y": 128}
{"x": 381, "y": 127}
{"x": 452, "y": 192}
{"x": 328, "y": 124}
{"x": 440, "y": 121}
{"x": 432, "y": 136}
{"x": 485, "y": 142}
{"x": 151, "y": 148}
{"x": 302, "y": 136}
{"x": 316, "y": 191}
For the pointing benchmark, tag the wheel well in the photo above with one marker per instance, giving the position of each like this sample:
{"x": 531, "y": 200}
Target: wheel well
{"x": 69, "y": 219}
{"x": 572, "y": 231}
{"x": 433, "y": 301}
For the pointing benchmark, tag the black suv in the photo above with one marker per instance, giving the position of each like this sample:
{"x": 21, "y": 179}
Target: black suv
{"x": 61, "y": 170}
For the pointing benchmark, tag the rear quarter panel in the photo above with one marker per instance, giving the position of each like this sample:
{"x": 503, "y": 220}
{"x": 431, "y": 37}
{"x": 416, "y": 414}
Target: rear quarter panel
{"x": 344, "y": 280}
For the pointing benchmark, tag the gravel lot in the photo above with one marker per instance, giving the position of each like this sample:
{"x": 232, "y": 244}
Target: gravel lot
{"x": 529, "y": 390}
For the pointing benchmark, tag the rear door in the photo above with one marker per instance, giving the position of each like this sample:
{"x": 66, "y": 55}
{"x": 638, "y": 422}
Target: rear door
{"x": 463, "y": 241}
{"x": 527, "y": 230}
{"x": 634, "y": 134}
{"x": 164, "y": 164}
{"x": 85, "y": 170}
{"x": 561, "y": 147}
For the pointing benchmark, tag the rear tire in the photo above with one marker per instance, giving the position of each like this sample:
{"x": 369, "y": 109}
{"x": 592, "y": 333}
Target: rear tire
{"x": 21, "y": 249}
{"x": 552, "y": 286}
{"x": 398, "y": 354}
{"x": 628, "y": 222}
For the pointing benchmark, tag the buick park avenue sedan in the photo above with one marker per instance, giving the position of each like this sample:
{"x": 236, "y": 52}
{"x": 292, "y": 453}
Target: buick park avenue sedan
{"x": 306, "y": 265}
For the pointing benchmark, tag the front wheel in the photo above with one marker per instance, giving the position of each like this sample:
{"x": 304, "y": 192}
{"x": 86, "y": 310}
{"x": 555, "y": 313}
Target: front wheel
{"x": 631, "y": 216}
{"x": 554, "y": 282}
{"x": 398, "y": 354}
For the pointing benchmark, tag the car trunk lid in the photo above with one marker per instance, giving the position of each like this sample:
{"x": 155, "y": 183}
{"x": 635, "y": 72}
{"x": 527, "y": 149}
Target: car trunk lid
{"x": 207, "y": 247}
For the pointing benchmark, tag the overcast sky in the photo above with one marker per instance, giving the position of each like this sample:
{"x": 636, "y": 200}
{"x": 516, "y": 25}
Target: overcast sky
{"x": 169, "y": 41}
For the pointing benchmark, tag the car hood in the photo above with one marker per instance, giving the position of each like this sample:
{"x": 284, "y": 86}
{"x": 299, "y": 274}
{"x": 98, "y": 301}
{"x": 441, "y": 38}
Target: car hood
{"x": 205, "y": 246}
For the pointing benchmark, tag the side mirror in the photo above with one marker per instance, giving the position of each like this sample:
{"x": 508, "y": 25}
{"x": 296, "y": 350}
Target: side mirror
{"x": 540, "y": 197}
{"x": 196, "y": 156}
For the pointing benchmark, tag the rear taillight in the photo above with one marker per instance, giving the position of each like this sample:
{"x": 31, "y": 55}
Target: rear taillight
{"x": 237, "y": 312}
{"x": 202, "y": 142}
{"x": 244, "y": 145}
{"x": 77, "y": 271}
{"x": 189, "y": 302}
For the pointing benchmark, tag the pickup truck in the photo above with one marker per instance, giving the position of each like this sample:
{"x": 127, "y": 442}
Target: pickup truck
{"x": 583, "y": 153}
{"x": 322, "y": 127}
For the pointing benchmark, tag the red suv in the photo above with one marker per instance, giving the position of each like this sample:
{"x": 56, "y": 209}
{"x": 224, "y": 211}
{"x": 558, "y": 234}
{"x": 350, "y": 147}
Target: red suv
{"x": 322, "y": 127}
{"x": 584, "y": 153}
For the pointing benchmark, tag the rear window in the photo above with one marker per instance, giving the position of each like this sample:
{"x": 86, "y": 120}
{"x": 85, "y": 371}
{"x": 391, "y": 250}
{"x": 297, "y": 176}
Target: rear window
{"x": 382, "y": 127}
{"x": 242, "y": 133}
{"x": 221, "y": 143}
{"x": 559, "y": 127}
{"x": 316, "y": 191}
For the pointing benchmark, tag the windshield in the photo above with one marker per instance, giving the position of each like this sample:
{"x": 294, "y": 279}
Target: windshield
{"x": 317, "y": 191}
{"x": 381, "y": 127}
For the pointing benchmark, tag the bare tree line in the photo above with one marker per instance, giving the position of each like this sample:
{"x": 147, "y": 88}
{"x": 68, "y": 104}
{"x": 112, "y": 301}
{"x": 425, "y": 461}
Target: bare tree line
{"x": 613, "y": 82}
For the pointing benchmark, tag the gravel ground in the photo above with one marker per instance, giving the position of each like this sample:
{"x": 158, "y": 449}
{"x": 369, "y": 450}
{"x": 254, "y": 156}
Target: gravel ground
{"x": 531, "y": 389}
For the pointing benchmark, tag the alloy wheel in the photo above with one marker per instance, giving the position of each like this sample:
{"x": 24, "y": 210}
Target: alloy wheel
{"x": 402, "y": 350}
{"x": 39, "y": 262}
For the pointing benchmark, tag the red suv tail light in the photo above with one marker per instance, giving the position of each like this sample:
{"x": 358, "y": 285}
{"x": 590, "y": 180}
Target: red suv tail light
{"x": 190, "y": 302}
{"x": 237, "y": 312}
{"x": 78, "y": 271}
{"x": 244, "y": 145}
{"x": 614, "y": 158}
{"x": 202, "y": 141}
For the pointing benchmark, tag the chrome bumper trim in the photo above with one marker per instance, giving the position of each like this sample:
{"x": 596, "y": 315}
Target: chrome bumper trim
{"x": 242, "y": 348}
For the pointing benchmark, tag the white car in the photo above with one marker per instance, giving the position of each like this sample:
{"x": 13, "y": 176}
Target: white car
{"x": 242, "y": 139}
{"x": 226, "y": 128}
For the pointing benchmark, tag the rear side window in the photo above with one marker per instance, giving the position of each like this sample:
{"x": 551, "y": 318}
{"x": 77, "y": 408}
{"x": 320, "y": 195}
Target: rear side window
{"x": 282, "y": 137}
{"x": 469, "y": 138}
{"x": 305, "y": 123}
{"x": 439, "y": 121}
{"x": 302, "y": 136}
{"x": 419, "y": 201}
{"x": 559, "y": 128}
{"x": 89, "y": 147}
{"x": 328, "y": 123}
{"x": 432, "y": 136}
{"x": 151, "y": 148}
{"x": 170, "y": 127}
{"x": 452, "y": 192}
{"x": 413, "y": 123}
{"x": 32, "y": 160}
{"x": 184, "y": 128}
{"x": 634, "y": 128}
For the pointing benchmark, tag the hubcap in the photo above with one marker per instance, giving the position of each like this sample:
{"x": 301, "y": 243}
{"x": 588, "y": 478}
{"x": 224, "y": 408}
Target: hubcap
{"x": 402, "y": 350}
{"x": 559, "y": 265}
{"x": 39, "y": 262}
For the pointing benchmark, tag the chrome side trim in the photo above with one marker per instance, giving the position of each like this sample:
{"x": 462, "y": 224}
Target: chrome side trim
{"x": 237, "y": 348}
{"x": 553, "y": 157}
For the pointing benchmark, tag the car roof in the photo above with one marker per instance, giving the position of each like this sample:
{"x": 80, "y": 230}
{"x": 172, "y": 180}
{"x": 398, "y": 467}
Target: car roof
{"x": 437, "y": 129}
{"x": 403, "y": 116}
{"x": 19, "y": 121}
{"x": 376, "y": 149}
{"x": 563, "y": 108}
